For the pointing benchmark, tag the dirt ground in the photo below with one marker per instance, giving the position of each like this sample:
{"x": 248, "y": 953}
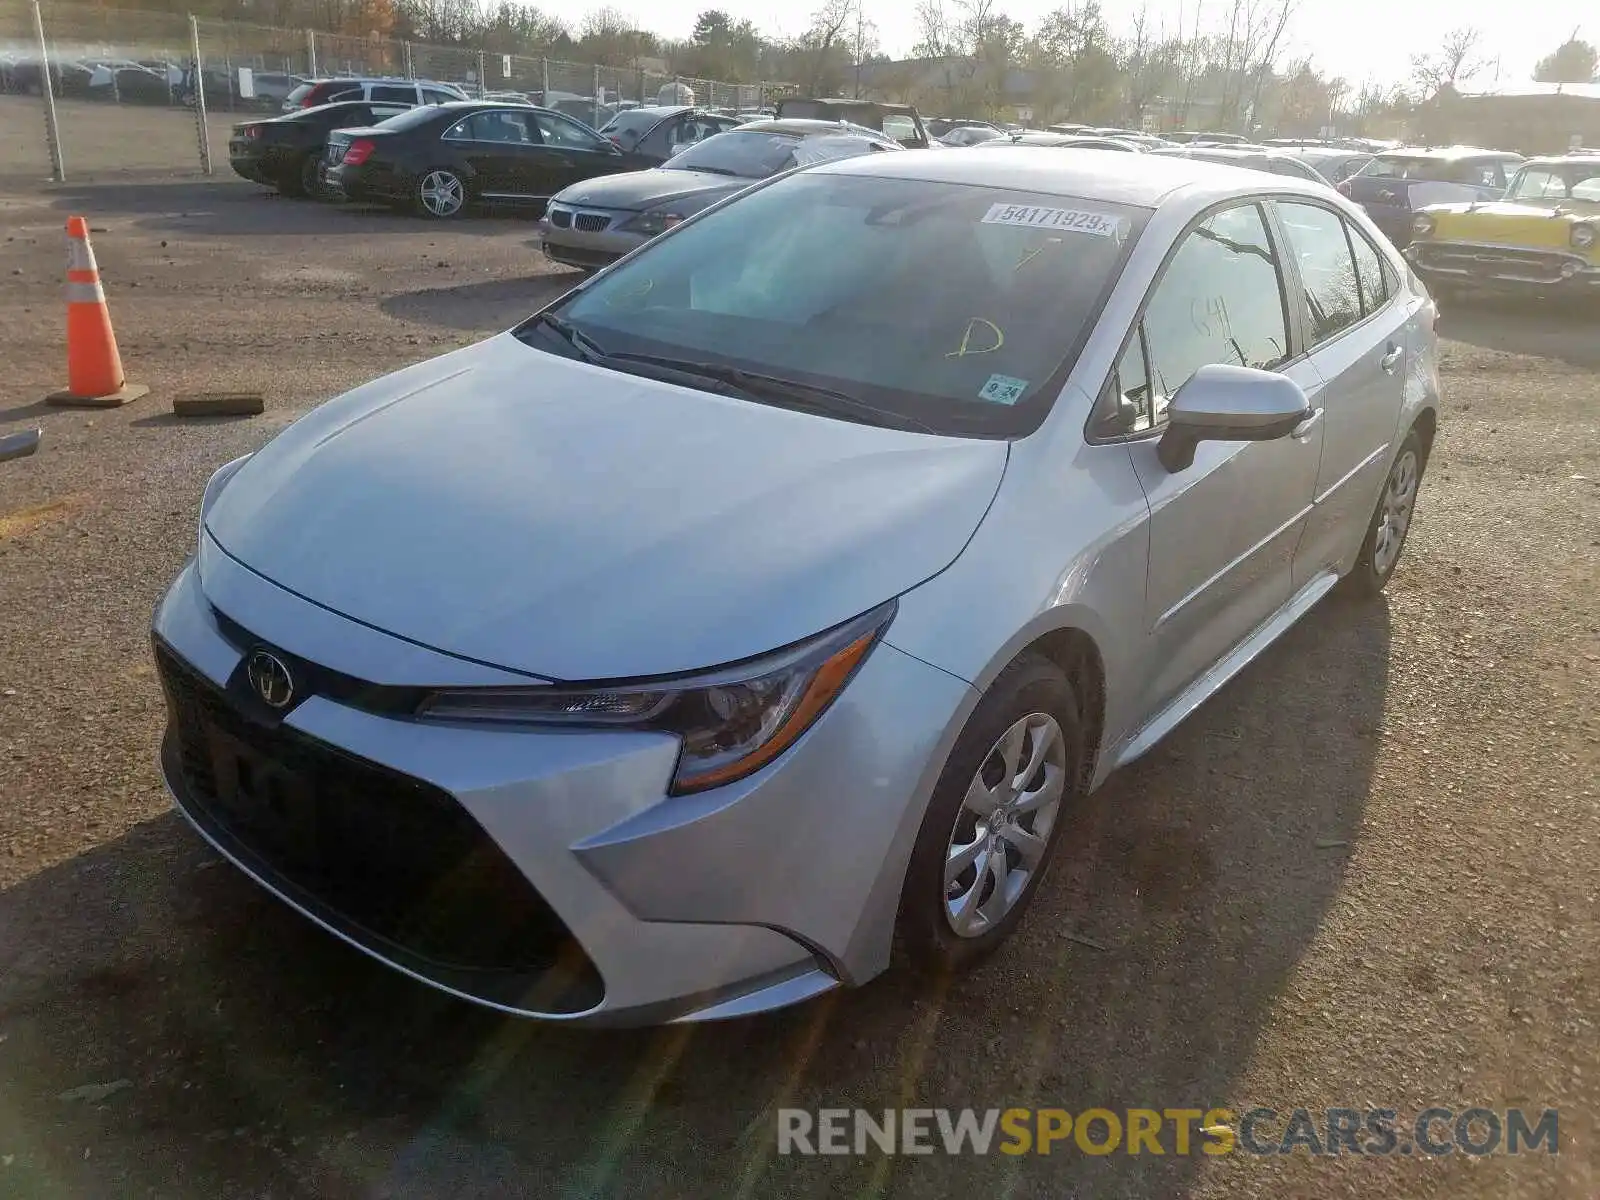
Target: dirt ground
{"x": 1364, "y": 875}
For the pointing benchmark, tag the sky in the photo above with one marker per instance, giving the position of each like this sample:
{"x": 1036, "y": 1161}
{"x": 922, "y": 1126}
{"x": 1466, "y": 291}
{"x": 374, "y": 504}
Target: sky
{"x": 1358, "y": 39}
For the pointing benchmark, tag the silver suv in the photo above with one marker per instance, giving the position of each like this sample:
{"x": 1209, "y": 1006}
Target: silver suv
{"x": 410, "y": 92}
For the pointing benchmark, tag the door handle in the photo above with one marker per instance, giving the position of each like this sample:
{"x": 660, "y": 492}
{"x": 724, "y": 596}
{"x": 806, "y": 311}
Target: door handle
{"x": 1392, "y": 359}
{"x": 1303, "y": 430}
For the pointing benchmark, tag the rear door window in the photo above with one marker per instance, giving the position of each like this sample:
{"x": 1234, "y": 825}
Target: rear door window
{"x": 1372, "y": 273}
{"x": 435, "y": 96}
{"x": 392, "y": 93}
{"x": 1327, "y": 269}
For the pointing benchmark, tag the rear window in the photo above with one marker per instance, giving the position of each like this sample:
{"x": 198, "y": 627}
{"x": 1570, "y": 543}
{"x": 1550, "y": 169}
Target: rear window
{"x": 300, "y": 93}
{"x": 842, "y": 282}
{"x": 412, "y": 118}
{"x": 629, "y": 127}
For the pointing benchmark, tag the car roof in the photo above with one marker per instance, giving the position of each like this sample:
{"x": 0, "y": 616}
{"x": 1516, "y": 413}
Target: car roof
{"x": 655, "y": 110}
{"x": 1590, "y": 159}
{"x": 847, "y": 102}
{"x": 395, "y": 79}
{"x": 1446, "y": 153}
{"x": 1141, "y": 180}
{"x": 452, "y": 106}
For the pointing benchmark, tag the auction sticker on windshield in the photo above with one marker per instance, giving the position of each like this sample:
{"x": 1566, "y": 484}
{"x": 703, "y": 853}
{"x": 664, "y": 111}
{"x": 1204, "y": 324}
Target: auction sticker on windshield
{"x": 1074, "y": 220}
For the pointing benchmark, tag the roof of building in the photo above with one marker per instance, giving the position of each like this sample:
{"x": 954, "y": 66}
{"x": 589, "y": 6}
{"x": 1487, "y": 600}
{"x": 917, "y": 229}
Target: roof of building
{"x": 1586, "y": 91}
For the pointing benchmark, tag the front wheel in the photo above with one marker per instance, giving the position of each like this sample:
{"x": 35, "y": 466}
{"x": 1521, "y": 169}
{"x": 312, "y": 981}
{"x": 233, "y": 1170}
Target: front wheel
{"x": 995, "y": 816}
{"x": 1391, "y": 521}
{"x": 440, "y": 194}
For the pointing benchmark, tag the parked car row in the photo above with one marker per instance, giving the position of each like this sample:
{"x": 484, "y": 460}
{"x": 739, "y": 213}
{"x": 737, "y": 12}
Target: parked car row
{"x": 605, "y": 192}
{"x": 401, "y": 148}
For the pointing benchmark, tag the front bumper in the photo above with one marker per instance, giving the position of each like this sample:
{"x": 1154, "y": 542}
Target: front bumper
{"x": 546, "y": 874}
{"x": 1510, "y": 269}
{"x": 586, "y": 237}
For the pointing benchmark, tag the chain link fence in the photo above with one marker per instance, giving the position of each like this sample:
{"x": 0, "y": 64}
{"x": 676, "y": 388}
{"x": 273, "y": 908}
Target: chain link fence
{"x": 124, "y": 90}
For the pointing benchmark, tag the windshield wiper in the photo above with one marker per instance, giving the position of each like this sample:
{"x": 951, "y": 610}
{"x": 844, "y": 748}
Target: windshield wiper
{"x": 589, "y": 349}
{"x": 713, "y": 171}
{"x": 789, "y": 393}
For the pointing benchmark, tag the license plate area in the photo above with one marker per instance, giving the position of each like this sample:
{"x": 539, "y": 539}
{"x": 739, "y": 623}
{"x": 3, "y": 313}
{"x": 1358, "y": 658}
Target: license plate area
{"x": 274, "y": 806}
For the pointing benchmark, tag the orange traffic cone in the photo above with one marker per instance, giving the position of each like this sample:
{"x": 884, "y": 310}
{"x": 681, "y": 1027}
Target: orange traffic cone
{"x": 94, "y": 368}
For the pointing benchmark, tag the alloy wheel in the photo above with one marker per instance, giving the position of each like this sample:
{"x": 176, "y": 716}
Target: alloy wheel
{"x": 1002, "y": 829}
{"x": 441, "y": 193}
{"x": 1394, "y": 517}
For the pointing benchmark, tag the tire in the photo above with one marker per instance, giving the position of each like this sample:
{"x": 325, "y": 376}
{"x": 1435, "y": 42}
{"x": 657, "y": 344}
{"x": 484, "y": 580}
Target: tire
{"x": 1384, "y": 541}
{"x": 441, "y": 182}
{"x": 300, "y": 180}
{"x": 948, "y": 927}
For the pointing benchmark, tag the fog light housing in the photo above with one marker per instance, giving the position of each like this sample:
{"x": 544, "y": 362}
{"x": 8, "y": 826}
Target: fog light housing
{"x": 1422, "y": 225}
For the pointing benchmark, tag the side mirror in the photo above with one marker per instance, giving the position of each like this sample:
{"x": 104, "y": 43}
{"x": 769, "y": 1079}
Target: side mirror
{"x": 1222, "y": 403}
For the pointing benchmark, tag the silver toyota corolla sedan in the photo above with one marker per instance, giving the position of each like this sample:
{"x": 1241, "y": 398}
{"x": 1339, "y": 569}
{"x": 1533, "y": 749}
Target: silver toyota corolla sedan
{"x": 779, "y": 592}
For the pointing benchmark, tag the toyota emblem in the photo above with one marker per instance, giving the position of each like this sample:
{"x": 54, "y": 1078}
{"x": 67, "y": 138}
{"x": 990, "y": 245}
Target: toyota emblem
{"x": 271, "y": 679}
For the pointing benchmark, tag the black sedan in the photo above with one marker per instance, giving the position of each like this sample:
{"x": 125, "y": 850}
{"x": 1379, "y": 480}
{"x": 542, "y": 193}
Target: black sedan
{"x": 438, "y": 159}
{"x": 286, "y": 152}
{"x": 592, "y": 224}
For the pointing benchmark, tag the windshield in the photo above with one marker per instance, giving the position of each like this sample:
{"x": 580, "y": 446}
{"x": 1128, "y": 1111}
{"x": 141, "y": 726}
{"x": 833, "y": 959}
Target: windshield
{"x": 1565, "y": 182}
{"x": 956, "y": 306}
{"x": 749, "y": 155}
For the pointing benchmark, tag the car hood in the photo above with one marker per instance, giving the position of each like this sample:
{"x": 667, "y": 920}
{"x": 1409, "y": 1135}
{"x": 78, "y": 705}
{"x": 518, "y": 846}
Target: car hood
{"x": 1510, "y": 222}
{"x": 560, "y": 519}
{"x": 636, "y": 190}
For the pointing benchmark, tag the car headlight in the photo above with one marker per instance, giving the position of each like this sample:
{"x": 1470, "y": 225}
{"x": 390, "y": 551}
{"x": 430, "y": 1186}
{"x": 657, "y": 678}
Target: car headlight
{"x": 1582, "y": 237}
{"x": 1422, "y": 225}
{"x": 731, "y": 722}
{"x": 656, "y": 220}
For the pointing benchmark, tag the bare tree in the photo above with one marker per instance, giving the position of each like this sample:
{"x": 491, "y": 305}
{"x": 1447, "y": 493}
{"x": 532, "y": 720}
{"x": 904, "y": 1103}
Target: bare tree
{"x": 1279, "y": 21}
{"x": 1456, "y": 58}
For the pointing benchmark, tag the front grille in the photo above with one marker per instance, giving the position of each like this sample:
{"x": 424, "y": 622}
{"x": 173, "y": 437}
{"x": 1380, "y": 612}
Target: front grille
{"x": 590, "y": 222}
{"x": 560, "y": 218}
{"x": 1503, "y": 261}
{"x": 393, "y": 862}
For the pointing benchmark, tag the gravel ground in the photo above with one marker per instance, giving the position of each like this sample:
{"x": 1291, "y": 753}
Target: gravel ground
{"x": 1363, "y": 875}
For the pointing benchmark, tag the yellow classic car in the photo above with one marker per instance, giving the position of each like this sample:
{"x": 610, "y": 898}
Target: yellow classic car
{"x": 1542, "y": 236}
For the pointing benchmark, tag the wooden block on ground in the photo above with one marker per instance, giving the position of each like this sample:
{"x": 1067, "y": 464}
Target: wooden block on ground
{"x": 219, "y": 404}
